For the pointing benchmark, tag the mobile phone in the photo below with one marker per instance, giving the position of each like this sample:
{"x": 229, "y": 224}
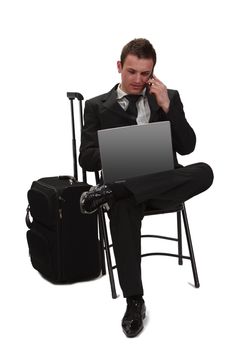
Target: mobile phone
{"x": 148, "y": 85}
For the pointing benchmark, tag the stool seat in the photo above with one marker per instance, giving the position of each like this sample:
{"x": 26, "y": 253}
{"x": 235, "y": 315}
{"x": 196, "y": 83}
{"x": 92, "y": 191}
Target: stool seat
{"x": 153, "y": 211}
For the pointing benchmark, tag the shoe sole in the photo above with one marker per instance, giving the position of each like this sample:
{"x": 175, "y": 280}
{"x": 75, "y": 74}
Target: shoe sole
{"x": 82, "y": 200}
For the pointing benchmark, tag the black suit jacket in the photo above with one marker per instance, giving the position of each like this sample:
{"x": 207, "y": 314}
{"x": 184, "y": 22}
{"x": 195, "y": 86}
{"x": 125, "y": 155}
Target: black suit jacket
{"x": 103, "y": 112}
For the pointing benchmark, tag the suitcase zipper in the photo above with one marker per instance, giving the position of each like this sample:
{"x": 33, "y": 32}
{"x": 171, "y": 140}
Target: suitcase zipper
{"x": 59, "y": 197}
{"x": 47, "y": 185}
{"x": 70, "y": 183}
{"x": 59, "y": 222}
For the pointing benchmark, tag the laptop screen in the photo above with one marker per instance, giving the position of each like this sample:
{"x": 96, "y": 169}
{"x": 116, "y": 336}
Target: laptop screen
{"x": 136, "y": 150}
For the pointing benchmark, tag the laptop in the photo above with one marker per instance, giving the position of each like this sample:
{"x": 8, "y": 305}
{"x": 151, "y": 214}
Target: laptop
{"x": 135, "y": 150}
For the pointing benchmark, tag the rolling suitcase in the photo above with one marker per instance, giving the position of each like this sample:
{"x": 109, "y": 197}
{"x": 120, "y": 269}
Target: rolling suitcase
{"x": 63, "y": 243}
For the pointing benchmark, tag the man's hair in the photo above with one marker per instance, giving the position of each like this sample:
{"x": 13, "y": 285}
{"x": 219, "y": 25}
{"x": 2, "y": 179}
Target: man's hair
{"x": 142, "y": 48}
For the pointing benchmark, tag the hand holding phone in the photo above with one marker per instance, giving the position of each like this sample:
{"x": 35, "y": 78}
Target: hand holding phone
{"x": 157, "y": 88}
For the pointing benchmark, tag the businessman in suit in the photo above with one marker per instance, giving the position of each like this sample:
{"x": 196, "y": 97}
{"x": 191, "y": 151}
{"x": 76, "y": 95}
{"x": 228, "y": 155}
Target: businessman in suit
{"x": 139, "y": 98}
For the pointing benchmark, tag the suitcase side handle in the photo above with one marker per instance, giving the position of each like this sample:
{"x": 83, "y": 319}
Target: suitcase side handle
{"x": 27, "y": 217}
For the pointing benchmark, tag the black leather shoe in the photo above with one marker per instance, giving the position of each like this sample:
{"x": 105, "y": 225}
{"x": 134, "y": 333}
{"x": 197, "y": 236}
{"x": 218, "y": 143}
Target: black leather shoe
{"x": 132, "y": 322}
{"x": 97, "y": 196}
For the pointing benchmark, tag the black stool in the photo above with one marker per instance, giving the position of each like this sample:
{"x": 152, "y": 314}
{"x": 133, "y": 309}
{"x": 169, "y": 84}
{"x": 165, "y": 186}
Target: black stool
{"x": 180, "y": 211}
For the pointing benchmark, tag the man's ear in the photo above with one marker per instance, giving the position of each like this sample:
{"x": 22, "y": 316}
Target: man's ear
{"x": 119, "y": 66}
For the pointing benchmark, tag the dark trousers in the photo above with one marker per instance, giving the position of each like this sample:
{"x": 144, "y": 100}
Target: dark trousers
{"x": 160, "y": 190}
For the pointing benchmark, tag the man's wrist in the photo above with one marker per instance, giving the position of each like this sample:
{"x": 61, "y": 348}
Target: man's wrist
{"x": 166, "y": 107}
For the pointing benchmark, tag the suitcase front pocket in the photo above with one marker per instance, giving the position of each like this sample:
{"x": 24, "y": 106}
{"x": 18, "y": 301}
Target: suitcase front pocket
{"x": 43, "y": 253}
{"x": 43, "y": 206}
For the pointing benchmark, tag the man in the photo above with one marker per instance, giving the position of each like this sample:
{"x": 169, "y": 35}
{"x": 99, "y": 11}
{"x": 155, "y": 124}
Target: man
{"x": 128, "y": 200}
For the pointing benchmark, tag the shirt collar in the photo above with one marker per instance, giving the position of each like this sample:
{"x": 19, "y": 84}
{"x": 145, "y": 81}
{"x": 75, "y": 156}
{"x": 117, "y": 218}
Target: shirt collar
{"x": 121, "y": 93}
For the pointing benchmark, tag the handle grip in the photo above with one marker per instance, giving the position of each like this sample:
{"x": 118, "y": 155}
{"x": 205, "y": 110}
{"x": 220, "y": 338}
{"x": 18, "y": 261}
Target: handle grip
{"x": 73, "y": 95}
{"x": 67, "y": 177}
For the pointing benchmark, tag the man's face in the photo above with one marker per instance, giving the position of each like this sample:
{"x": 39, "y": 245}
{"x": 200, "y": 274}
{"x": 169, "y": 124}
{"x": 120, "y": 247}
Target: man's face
{"x": 135, "y": 73}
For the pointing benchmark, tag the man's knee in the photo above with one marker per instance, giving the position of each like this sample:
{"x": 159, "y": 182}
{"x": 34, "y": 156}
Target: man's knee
{"x": 204, "y": 175}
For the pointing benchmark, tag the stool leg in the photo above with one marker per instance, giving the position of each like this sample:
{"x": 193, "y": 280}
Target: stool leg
{"x": 102, "y": 253}
{"x": 179, "y": 236}
{"x": 107, "y": 251}
{"x": 190, "y": 247}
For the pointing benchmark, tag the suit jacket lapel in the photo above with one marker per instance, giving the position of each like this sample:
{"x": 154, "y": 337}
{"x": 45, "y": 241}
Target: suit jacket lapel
{"x": 112, "y": 105}
{"x": 154, "y": 107}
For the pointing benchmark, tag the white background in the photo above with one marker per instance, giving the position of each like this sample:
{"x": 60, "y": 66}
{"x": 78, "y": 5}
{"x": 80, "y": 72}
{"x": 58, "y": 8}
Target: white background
{"x": 51, "y": 47}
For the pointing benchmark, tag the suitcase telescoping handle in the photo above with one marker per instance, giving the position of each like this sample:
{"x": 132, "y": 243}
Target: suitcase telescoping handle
{"x": 72, "y": 96}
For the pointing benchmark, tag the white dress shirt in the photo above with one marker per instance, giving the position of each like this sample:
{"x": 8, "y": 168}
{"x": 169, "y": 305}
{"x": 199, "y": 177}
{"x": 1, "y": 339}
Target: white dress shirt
{"x": 142, "y": 105}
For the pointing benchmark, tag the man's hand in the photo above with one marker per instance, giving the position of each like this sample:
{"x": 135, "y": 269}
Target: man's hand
{"x": 157, "y": 88}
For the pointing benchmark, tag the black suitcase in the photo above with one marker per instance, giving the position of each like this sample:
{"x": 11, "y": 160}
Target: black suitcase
{"x": 63, "y": 243}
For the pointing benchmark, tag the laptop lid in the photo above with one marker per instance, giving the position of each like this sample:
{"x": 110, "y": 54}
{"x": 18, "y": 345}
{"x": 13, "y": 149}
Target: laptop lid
{"x": 135, "y": 150}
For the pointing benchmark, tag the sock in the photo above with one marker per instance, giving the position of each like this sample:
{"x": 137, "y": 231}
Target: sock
{"x": 119, "y": 190}
{"x": 135, "y": 297}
